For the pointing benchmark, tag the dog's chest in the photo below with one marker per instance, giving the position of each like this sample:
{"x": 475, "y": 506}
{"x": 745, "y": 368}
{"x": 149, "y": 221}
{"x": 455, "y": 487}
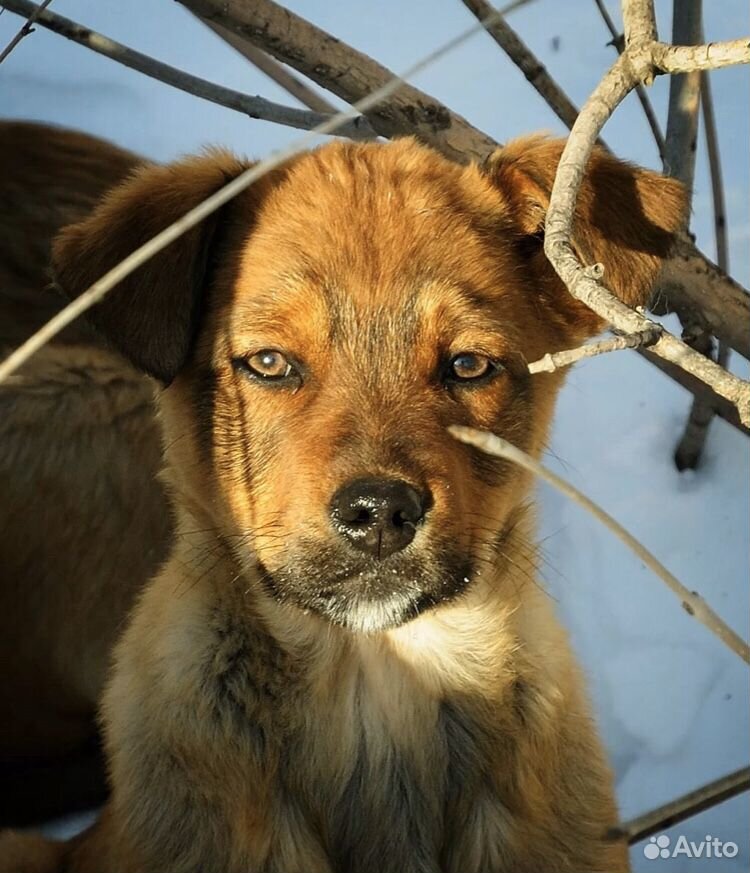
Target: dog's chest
{"x": 374, "y": 768}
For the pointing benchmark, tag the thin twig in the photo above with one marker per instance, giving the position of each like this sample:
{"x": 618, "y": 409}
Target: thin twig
{"x": 714, "y": 166}
{"x": 526, "y": 61}
{"x": 275, "y": 71}
{"x": 254, "y": 107}
{"x": 585, "y": 283}
{"x": 648, "y": 110}
{"x": 100, "y": 288}
{"x": 672, "y": 813}
{"x": 25, "y": 30}
{"x": 691, "y": 601}
{"x": 557, "y": 360}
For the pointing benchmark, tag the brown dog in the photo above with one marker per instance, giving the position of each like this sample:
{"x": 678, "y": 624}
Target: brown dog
{"x": 345, "y": 664}
{"x": 83, "y": 521}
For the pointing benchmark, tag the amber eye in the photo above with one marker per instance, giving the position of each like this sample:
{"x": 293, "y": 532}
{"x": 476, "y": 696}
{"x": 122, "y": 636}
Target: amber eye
{"x": 267, "y": 364}
{"x": 467, "y": 367}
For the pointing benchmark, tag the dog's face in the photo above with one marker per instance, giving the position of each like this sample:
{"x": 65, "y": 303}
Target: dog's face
{"x": 324, "y": 331}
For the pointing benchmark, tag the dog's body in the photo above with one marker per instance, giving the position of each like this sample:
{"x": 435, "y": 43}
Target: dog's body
{"x": 83, "y": 520}
{"x": 346, "y": 664}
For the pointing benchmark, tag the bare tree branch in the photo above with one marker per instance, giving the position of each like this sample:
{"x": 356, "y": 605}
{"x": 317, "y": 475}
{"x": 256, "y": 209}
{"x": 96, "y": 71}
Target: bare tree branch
{"x": 535, "y": 72}
{"x": 347, "y": 73}
{"x": 690, "y": 448}
{"x": 254, "y": 107}
{"x": 557, "y": 360}
{"x": 684, "y": 97}
{"x": 584, "y": 283}
{"x": 618, "y": 41}
{"x": 690, "y": 281}
{"x": 102, "y": 286}
{"x": 692, "y": 277}
{"x": 699, "y": 389}
{"x": 679, "y": 163}
{"x": 25, "y": 30}
{"x": 639, "y": 21}
{"x": 672, "y": 813}
{"x": 714, "y": 165}
{"x": 691, "y": 601}
{"x": 285, "y": 28}
{"x": 710, "y": 56}
{"x": 275, "y": 71}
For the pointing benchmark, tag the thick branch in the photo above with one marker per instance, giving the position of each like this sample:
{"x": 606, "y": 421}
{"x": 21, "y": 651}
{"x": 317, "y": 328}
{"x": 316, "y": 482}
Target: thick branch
{"x": 254, "y": 107}
{"x": 691, "y": 601}
{"x": 682, "y": 808}
{"x": 690, "y": 448}
{"x": 691, "y": 282}
{"x": 698, "y": 388}
{"x": 347, "y": 73}
{"x": 679, "y": 162}
{"x": 584, "y": 283}
{"x": 648, "y": 109}
{"x": 639, "y": 20}
{"x": 684, "y": 98}
{"x": 275, "y": 71}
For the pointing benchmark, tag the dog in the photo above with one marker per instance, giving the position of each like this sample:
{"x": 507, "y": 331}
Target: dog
{"x": 84, "y": 521}
{"x": 345, "y": 664}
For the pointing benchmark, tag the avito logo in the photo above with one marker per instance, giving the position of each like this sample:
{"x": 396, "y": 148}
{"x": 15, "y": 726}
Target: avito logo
{"x": 710, "y": 847}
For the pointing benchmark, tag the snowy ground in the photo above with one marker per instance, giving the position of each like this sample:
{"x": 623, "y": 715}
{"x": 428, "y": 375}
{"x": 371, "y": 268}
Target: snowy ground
{"x": 671, "y": 701}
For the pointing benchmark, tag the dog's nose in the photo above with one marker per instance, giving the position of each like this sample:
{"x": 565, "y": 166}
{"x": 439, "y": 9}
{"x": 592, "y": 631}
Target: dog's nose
{"x": 377, "y": 516}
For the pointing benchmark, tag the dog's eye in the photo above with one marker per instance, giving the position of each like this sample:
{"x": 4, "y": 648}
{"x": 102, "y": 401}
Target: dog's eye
{"x": 267, "y": 364}
{"x": 468, "y": 367}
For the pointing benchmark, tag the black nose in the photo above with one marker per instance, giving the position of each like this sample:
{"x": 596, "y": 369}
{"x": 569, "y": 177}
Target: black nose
{"x": 377, "y": 516}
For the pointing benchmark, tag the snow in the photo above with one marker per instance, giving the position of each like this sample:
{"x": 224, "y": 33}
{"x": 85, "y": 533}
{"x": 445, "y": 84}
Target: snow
{"x": 672, "y": 702}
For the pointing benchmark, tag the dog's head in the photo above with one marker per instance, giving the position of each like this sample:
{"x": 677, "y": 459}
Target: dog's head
{"x": 320, "y": 333}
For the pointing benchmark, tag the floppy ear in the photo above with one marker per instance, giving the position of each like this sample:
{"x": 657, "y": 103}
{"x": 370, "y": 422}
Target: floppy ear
{"x": 151, "y": 317}
{"x": 625, "y": 218}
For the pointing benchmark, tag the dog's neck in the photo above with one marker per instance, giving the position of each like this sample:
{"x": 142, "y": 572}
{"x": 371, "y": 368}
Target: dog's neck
{"x": 472, "y": 644}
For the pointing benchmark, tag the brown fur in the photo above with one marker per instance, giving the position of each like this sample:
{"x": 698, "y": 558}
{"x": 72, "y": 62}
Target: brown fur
{"x": 266, "y": 711}
{"x": 83, "y": 523}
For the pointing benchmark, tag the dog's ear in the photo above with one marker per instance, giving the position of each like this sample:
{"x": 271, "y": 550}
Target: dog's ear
{"x": 625, "y": 218}
{"x": 152, "y": 315}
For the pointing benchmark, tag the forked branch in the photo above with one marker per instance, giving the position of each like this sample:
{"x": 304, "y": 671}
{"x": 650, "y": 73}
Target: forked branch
{"x": 349, "y": 74}
{"x": 585, "y": 283}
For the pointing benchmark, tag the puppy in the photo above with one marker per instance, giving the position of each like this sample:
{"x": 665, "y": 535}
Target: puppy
{"x": 345, "y": 665}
